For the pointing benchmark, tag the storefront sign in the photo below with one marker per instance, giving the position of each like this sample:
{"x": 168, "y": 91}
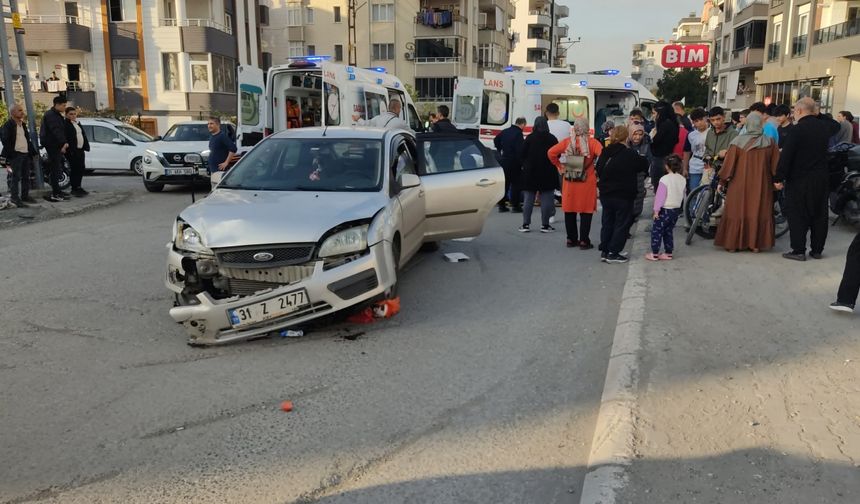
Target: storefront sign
{"x": 685, "y": 56}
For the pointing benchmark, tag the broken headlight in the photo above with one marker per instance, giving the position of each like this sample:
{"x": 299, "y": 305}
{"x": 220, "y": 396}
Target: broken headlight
{"x": 188, "y": 239}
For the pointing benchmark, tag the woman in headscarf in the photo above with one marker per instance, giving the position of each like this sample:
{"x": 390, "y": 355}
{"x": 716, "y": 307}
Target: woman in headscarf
{"x": 747, "y": 172}
{"x": 539, "y": 175}
{"x": 578, "y": 197}
{"x": 641, "y": 144}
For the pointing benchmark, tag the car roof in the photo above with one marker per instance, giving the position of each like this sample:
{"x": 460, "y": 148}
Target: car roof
{"x": 101, "y": 120}
{"x": 185, "y": 123}
{"x": 337, "y": 132}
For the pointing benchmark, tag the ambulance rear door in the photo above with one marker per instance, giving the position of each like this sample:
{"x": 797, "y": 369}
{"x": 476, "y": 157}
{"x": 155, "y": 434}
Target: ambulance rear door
{"x": 496, "y": 106}
{"x": 252, "y": 105}
{"x": 468, "y": 96}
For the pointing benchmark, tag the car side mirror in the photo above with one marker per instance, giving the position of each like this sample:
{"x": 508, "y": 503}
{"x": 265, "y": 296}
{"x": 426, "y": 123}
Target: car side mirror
{"x": 118, "y": 141}
{"x": 156, "y": 138}
{"x": 408, "y": 180}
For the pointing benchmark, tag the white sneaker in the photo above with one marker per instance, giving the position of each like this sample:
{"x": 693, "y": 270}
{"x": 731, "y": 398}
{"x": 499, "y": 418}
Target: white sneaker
{"x": 552, "y": 219}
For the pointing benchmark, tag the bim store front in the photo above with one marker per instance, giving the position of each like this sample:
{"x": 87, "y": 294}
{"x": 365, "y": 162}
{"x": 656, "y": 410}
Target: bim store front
{"x": 778, "y": 93}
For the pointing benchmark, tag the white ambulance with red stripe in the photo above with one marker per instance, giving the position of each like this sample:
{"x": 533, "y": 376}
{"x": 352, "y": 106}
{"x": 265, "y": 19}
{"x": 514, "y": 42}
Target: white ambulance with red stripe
{"x": 492, "y": 104}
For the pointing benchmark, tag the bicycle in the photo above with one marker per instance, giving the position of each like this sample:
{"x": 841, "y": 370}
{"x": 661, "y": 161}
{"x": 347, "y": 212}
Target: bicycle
{"x": 704, "y": 207}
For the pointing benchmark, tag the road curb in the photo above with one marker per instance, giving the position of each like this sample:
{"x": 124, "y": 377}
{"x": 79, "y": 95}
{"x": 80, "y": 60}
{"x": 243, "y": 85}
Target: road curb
{"x": 613, "y": 444}
{"x": 56, "y": 211}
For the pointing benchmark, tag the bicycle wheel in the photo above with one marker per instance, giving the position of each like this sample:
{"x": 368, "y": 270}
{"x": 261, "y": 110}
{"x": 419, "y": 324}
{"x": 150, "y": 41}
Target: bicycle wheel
{"x": 691, "y": 202}
{"x": 779, "y": 219}
{"x": 699, "y": 205}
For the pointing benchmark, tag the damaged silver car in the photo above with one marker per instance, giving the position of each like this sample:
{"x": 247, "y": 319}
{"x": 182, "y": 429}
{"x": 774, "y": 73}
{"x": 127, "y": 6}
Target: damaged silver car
{"x": 313, "y": 221}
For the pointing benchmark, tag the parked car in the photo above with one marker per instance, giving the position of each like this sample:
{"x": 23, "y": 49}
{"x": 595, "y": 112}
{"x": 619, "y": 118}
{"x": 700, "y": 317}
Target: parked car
{"x": 115, "y": 145}
{"x": 313, "y": 221}
{"x": 167, "y": 161}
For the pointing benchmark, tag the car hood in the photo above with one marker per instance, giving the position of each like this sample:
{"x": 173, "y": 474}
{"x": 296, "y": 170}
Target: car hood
{"x": 184, "y": 147}
{"x": 234, "y": 218}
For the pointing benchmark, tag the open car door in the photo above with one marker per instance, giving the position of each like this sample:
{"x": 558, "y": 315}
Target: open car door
{"x": 468, "y": 96}
{"x": 462, "y": 182}
{"x": 252, "y": 106}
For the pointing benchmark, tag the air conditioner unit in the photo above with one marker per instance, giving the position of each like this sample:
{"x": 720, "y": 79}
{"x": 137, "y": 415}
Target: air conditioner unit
{"x": 409, "y": 55}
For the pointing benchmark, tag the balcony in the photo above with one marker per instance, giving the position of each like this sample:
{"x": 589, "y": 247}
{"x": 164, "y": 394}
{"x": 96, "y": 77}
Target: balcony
{"x": 751, "y": 9}
{"x": 837, "y": 41}
{"x": 638, "y": 47}
{"x": 490, "y": 5}
{"x": 637, "y": 61}
{"x": 773, "y": 52}
{"x": 561, "y": 31}
{"x": 439, "y": 66}
{"x": 837, "y": 32}
{"x": 561, "y": 11}
{"x": 56, "y": 33}
{"x": 539, "y": 43}
{"x": 539, "y": 17}
{"x": 433, "y": 27}
{"x": 798, "y": 45}
{"x": 747, "y": 57}
{"x": 196, "y": 23}
{"x": 776, "y": 3}
{"x": 491, "y": 36}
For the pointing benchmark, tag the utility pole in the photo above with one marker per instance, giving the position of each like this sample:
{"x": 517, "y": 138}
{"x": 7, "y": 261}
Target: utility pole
{"x": 350, "y": 22}
{"x": 551, "y": 32}
{"x": 9, "y": 75}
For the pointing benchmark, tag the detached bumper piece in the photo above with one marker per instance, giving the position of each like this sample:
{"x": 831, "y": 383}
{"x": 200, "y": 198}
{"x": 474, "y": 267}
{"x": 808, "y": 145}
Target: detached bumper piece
{"x": 355, "y": 285}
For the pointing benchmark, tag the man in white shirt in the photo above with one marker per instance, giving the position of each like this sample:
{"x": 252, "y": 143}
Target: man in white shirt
{"x": 694, "y": 150}
{"x": 75, "y": 154}
{"x": 389, "y": 119}
{"x": 560, "y": 129}
{"x": 18, "y": 151}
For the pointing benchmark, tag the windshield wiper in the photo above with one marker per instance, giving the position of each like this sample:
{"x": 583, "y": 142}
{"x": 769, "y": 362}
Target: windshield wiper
{"x": 314, "y": 189}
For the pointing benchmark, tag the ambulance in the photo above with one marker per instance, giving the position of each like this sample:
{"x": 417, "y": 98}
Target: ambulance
{"x": 311, "y": 91}
{"x": 493, "y": 103}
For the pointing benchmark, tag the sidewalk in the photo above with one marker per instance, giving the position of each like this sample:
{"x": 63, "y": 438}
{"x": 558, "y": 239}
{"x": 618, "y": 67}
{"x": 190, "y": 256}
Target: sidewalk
{"x": 750, "y": 385}
{"x": 103, "y": 192}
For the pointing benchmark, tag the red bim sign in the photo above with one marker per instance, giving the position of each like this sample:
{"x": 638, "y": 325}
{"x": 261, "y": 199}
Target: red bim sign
{"x": 685, "y": 56}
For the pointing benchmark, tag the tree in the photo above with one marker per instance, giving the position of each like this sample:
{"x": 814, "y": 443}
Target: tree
{"x": 690, "y": 84}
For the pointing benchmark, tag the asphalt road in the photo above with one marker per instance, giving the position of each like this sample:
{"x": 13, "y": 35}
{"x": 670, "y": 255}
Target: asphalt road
{"x": 484, "y": 389}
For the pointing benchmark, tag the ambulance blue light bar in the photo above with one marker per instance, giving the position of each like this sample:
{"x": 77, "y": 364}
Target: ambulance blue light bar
{"x": 310, "y": 59}
{"x": 628, "y": 85}
{"x": 509, "y": 69}
{"x": 583, "y": 83}
{"x": 377, "y": 69}
{"x": 533, "y": 83}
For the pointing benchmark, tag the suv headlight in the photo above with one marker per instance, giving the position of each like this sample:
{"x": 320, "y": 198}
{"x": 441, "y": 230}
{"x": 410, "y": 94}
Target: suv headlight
{"x": 150, "y": 157}
{"x": 188, "y": 239}
{"x": 343, "y": 242}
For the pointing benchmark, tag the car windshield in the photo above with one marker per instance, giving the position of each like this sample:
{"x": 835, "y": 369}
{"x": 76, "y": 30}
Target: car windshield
{"x": 187, "y": 133}
{"x": 309, "y": 164}
{"x": 135, "y": 134}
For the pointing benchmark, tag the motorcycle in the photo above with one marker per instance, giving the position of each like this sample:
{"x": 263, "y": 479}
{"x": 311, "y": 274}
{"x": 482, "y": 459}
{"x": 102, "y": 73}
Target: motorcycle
{"x": 65, "y": 174}
{"x": 844, "y": 170}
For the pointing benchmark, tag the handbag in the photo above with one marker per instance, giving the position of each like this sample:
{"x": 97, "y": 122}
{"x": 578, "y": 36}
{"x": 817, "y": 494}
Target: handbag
{"x": 574, "y": 166}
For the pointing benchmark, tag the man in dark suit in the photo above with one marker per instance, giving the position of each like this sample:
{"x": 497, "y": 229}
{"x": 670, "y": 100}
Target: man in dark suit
{"x": 802, "y": 170}
{"x": 443, "y": 124}
{"x": 78, "y": 145}
{"x": 52, "y": 136}
{"x": 509, "y": 144}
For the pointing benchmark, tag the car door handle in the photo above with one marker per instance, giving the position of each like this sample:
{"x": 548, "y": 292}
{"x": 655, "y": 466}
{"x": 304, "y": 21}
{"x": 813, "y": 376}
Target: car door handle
{"x": 485, "y": 182}
{"x": 421, "y": 193}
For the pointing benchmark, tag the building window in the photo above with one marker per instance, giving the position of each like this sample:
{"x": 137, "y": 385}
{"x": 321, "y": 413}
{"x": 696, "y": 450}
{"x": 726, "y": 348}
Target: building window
{"x": 751, "y": 34}
{"x": 489, "y": 55}
{"x": 294, "y": 14}
{"x": 224, "y": 71}
{"x": 312, "y": 50}
{"x": 122, "y": 10}
{"x": 337, "y": 15}
{"x": 434, "y": 88}
{"x": 264, "y": 15}
{"x": 126, "y": 73}
{"x": 649, "y": 81}
{"x": 170, "y": 70}
{"x": 434, "y": 49}
{"x": 309, "y": 15}
{"x": 228, "y": 21}
{"x": 338, "y": 52}
{"x": 200, "y": 73}
{"x": 382, "y": 12}
{"x": 383, "y": 51}
{"x": 297, "y": 49}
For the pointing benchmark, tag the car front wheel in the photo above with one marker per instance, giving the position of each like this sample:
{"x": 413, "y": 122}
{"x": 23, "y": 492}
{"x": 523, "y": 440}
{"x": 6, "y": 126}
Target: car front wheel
{"x": 153, "y": 186}
{"x": 137, "y": 166}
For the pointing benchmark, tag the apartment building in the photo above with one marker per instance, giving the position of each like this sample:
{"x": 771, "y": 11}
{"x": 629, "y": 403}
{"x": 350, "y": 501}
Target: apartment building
{"x": 647, "y": 66}
{"x": 538, "y": 34}
{"x": 426, "y": 43}
{"x": 739, "y": 47}
{"x": 166, "y": 60}
{"x": 813, "y": 49}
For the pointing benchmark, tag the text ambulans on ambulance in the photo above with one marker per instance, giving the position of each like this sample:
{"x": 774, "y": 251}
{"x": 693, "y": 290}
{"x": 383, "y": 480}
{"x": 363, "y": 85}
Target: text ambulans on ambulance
{"x": 310, "y": 91}
{"x": 492, "y": 104}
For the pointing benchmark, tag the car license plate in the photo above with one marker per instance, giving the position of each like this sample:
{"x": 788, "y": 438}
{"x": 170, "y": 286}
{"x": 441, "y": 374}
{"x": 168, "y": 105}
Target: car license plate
{"x": 180, "y": 171}
{"x": 269, "y": 309}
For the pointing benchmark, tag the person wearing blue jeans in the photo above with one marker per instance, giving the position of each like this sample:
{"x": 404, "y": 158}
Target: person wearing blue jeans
{"x": 694, "y": 149}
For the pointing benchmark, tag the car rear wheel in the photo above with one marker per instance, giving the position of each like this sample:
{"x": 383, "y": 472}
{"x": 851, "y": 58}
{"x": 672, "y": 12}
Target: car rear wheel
{"x": 153, "y": 186}
{"x": 137, "y": 166}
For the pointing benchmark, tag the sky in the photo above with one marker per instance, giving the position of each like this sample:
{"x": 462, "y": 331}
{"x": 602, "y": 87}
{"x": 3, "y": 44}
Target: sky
{"x": 610, "y": 27}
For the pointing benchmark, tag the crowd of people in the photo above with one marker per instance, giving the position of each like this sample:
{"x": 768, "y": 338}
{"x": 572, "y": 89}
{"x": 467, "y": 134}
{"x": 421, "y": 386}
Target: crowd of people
{"x": 754, "y": 155}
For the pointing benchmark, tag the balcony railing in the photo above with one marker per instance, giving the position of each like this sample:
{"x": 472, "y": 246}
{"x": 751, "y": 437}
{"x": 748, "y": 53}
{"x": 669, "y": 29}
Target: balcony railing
{"x": 773, "y": 51}
{"x": 54, "y": 19}
{"x": 200, "y": 23}
{"x": 837, "y": 31}
{"x": 798, "y": 45}
{"x": 776, "y": 3}
{"x": 438, "y": 59}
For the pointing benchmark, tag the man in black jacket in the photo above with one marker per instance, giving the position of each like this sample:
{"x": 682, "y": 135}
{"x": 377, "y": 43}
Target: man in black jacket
{"x": 53, "y": 138}
{"x": 443, "y": 124}
{"x": 509, "y": 144}
{"x": 802, "y": 170}
{"x": 78, "y": 145}
{"x": 663, "y": 141}
{"x": 18, "y": 151}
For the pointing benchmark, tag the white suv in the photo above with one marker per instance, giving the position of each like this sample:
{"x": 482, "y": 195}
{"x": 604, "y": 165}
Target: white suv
{"x": 114, "y": 145}
{"x": 179, "y": 157}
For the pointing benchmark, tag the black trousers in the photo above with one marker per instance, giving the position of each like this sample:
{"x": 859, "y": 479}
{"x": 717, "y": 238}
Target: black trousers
{"x": 657, "y": 170}
{"x": 617, "y": 214}
{"x": 807, "y": 212}
{"x": 583, "y": 231}
{"x": 850, "y": 285}
{"x": 513, "y": 185}
{"x": 19, "y": 179}
{"x": 55, "y": 169}
{"x": 76, "y": 166}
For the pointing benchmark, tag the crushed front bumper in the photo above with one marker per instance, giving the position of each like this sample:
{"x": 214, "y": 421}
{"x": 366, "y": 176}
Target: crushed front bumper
{"x": 208, "y": 322}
